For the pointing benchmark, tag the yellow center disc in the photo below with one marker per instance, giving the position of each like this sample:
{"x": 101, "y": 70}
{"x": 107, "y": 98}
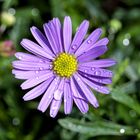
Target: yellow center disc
{"x": 65, "y": 65}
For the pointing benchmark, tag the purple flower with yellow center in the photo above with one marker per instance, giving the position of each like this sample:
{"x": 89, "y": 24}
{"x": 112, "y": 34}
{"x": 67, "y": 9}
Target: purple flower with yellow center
{"x": 62, "y": 68}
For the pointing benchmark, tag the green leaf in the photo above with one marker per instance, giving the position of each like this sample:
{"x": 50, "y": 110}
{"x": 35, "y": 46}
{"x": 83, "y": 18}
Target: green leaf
{"x": 120, "y": 70}
{"x": 96, "y": 128}
{"x": 125, "y": 99}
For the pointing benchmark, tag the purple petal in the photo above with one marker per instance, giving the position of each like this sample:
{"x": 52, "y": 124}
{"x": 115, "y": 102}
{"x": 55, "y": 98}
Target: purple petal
{"x": 92, "y": 54}
{"x": 93, "y": 37}
{"x": 19, "y": 74}
{"x": 53, "y": 33}
{"x": 79, "y": 98}
{"x": 103, "y": 63}
{"x": 79, "y": 36}
{"x": 25, "y": 65}
{"x": 76, "y": 91}
{"x": 48, "y": 96}
{"x": 37, "y": 91}
{"x": 67, "y": 33}
{"x": 59, "y": 92}
{"x": 81, "y": 104}
{"x": 95, "y": 86}
{"x": 58, "y": 31}
{"x": 88, "y": 93}
{"x": 101, "y": 42}
{"x": 37, "y": 80}
{"x": 28, "y": 57}
{"x": 101, "y": 80}
{"x": 41, "y": 39}
{"x": 50, "y": 33}
{"x": 35, "y": 49}
{"x": 68, "y": 101}
{"x": 96, "y": 71}
{"x": 56, "y": 102}
{"x": 55, "y": 105}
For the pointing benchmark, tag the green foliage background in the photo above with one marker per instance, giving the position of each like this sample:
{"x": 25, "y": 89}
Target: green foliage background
{"x": 118, "y": 117}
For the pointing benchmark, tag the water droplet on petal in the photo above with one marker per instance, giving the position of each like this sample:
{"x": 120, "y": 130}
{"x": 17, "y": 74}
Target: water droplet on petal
{"x": 57, "y": 94}
{"x": 122, "y": 130}
{"x": 85, "y": 75}
{"x": 19, "y": 57}
{"x": 37, "y": 77}
{"x": 65, "y": 100}
{"x": 93, "y": 68}
{"x": 36, "y": 71}
{"x": 51, "y": 114}
{"x": 89, "y": 41}
{"x": 97, "y": 73}
{"x": 41, "y": 68}
{"x": 77, "y": 78}
{"x": 74, "y": 47}
{"x": 49, "y": 97}
{"x": 50, "y": 66}
{"x": 85, "y": 70}
{"x": 96, "y": 88}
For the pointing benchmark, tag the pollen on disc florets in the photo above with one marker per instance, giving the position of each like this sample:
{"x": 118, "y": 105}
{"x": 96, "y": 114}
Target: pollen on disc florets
{"x": 65, "y": 65}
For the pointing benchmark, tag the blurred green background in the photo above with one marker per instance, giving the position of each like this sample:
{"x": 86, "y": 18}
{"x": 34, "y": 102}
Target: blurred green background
{"x": 118, "y": 117}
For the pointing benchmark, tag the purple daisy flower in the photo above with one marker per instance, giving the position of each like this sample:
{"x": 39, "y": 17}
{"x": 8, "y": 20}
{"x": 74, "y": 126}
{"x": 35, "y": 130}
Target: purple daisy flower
{"x": 64, "y": 69}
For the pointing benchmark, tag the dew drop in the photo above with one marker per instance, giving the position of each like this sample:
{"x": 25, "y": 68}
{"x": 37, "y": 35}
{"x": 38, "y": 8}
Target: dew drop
{"x": 50, "y": 66}
{"x": 85, "y": 70}
{"x": 97, "y": 73}
{"x": 36, "y": 71}
{"x": 56, "y": 83}
{"x": 96, "y": 88}
{"x": 57, "y": 94}
{"x": 122, "y": 131}
{"x": 89, "y": 41}
{"x": 74, "y": 47}
{"x": 37, "y": 78}
{"x": 19, "y": 57}
{"x": 41, "y": 68}
{"x": 85, "y": 75}
{"x": 65, "y": 100}
{"x": 51, "y": 114}
{"x": 78, "y": 79}
{"x": 93, "y": 68}
{"x": 49, "y": 96}
{"x": 56, "y": 79}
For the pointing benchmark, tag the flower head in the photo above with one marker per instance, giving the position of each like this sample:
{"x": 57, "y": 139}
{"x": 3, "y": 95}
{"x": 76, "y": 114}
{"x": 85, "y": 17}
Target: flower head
{"x": 62, "y": 68}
